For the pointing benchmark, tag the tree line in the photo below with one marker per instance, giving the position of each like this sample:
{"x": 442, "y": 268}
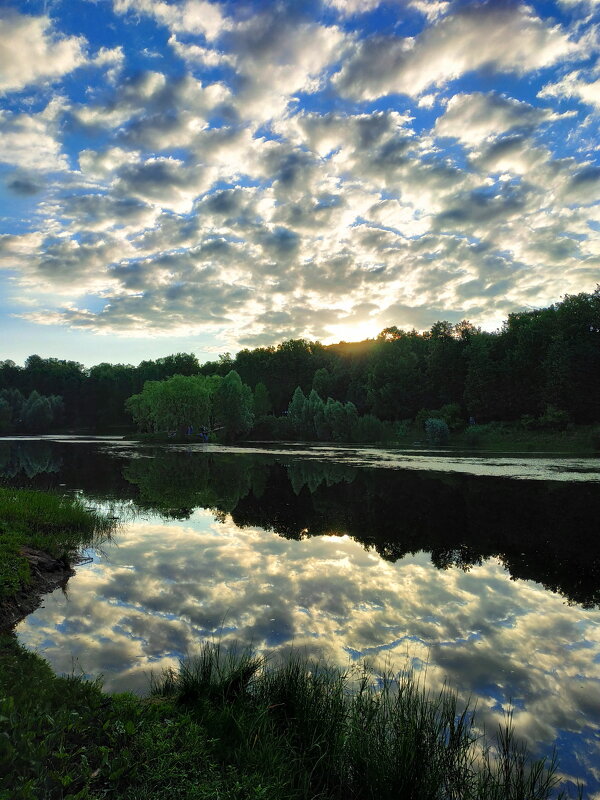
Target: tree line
{"x": 541, "y": 368}
{"x": 36, "y": 413}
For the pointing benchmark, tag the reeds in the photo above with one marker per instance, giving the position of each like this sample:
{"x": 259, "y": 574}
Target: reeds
{"x": 330, "y": 733}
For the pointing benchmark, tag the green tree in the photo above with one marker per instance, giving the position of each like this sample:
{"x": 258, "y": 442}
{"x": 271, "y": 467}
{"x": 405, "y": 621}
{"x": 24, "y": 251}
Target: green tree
{"x": 340, "y": 419}
{"x": 315, "y": 414}
{"x": 37, "y": 413}
{"x": 174, "y": 404}
{"x": 234, "y": 406}
{"x": 262, "y": 401}
{"x": 5, "y": 417}
{"x": 296, "y": 411}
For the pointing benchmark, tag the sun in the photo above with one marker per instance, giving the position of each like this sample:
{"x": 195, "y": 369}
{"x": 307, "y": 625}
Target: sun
{"x": 352, "y": 332}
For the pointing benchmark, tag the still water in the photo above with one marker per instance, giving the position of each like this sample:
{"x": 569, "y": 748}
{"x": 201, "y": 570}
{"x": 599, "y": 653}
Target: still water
{"x": 484, "y": 571}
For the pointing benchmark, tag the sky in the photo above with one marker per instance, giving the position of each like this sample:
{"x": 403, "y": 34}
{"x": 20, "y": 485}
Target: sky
{"x": 206, "y": 176}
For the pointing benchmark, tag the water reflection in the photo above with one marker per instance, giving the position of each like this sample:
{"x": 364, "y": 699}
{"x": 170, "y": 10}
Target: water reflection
{"x": 167, "y": 585}
{"x": 19, "y": 459}
{"x": 545, "y": 531}
{"x": 445, "y": 568}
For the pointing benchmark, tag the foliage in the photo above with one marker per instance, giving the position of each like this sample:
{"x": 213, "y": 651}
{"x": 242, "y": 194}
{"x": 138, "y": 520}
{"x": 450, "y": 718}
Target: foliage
{"x": 194, "y": 402}
{"x": 56, "y": 524}
{"x": 233, "y": 406}
{"x": 370, "y": 429}
{"x": 262, "y": 401}
{"x": 437, "y": 431}
{"x": 475, "y": 433}
{"x": 450, "y": 414}
{"x": 545, "y": 358}
{"x": 174, "y": 404}
{"x": 36, "y": 413}
{"x": 338, "y": 734}
{"x": 553, "y": 419}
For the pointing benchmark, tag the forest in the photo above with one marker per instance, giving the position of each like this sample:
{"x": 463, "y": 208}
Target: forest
{"x": 541, "y": 369}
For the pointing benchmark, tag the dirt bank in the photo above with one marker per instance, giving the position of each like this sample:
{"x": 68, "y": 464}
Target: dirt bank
{"x": 47, "y": 574}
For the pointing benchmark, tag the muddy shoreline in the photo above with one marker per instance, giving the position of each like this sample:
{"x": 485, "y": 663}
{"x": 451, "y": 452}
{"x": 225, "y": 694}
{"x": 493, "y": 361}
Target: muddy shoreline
{"x": 47, "y": 574}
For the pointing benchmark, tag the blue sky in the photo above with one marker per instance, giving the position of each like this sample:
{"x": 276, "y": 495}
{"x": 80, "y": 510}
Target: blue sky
{"x": 207, "y": 176}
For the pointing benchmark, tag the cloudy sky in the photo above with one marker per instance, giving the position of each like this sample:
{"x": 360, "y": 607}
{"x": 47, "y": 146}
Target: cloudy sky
{"x": 206, "y": 176}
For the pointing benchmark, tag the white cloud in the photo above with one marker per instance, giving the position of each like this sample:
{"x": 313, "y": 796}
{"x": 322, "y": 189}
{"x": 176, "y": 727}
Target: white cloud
{"x": 157, "y": 114}
{"x": 432, "y": 9}
{"x": 581, "y": 3}
{"x": 277, "y": 55}
{"x": 190, "y": 16}
{"x": 351, "y": 7}
{"x": 574, "y": 86}
{"x": 101, "y": 164}
{"x": 475, "y": 117}
{"x": 467, "y": 40}
{"x": 195, "y": 54}
{"x": 32, "y": 52}
{"x": 31, "y": 141}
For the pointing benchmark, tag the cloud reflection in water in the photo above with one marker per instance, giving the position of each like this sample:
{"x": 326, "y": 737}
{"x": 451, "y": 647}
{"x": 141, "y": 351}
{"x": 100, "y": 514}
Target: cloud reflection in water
{"x": 163, "y": 587}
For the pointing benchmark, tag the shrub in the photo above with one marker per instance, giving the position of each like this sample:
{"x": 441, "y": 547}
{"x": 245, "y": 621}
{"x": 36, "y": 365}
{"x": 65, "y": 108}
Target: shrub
{"x": 368, "y": 429}
{"x": 474, "y": 433}
{"x": 554, "y": 419}
{"x": 528, "y": 422}
{"x": 450, "y": 413}
{"x": 452, "y": 416}
{"x": 437, "y": 431}
{"x": 402, "y": 429}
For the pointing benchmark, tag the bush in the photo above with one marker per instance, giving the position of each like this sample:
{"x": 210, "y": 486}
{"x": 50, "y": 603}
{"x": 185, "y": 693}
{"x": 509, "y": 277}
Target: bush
{"x": 273, "y": 428}
{"x": 368, "y": 429}
{"x": 528, "y": 422}
{"x": 437, "y": 431}
{"x": 595, "y": 438}
{"x": 474, "y": 433}
{"x": 402, "y": 429}
{"x": 554, "y": 419}
{"x": 450, "y": 413}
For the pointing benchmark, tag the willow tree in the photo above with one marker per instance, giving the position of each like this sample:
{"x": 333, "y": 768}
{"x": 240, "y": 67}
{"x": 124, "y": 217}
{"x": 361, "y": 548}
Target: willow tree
{"x": 175, "y": 404}
{"x": 234, "y": 406}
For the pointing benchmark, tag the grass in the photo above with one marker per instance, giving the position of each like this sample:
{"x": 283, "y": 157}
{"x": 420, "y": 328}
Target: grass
{"x": 230, "y": 725}
{"x": 327, "y": 733}
{"x": 58, "y": 525}
{"x": 504, "y": 436}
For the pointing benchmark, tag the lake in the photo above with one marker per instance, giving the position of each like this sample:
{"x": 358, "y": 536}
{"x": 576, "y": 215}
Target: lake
{"x": 483, "y": 571}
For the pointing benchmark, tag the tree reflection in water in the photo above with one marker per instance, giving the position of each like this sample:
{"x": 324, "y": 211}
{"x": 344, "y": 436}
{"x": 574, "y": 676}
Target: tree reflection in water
{"x": 544, "y": 531}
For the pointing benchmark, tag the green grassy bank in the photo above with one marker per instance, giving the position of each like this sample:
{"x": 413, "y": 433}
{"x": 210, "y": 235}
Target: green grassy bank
{"x": 231, "y": 726}
{"x": 508, "y": 437}
{"x": 46, "y": 524}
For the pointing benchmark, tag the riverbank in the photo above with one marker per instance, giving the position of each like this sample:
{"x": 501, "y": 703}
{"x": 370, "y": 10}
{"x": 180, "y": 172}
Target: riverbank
{"x": 499, "y": 437}
{"x": 509, "y": 437}
{"x": 229, "y": 725}
{"x": 41, "y": 535}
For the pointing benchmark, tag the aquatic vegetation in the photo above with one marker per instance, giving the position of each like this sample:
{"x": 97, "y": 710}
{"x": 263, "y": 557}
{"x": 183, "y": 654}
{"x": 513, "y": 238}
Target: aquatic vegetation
{"x": 330, "y": 733}
{"x": 231, "y": 725}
